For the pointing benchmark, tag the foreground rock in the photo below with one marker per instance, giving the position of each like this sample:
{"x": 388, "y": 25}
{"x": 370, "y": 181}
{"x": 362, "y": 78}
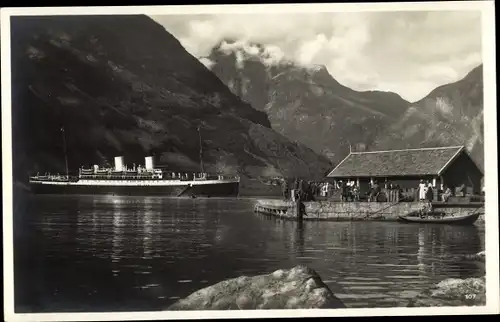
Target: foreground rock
{"x": 296, "y": 288}
{"x": 453, "y": 292}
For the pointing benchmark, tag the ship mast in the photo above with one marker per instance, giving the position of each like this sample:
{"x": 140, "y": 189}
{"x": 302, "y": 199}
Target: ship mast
{"x": 65, "y": 154}
{"x": 201, "y": 151}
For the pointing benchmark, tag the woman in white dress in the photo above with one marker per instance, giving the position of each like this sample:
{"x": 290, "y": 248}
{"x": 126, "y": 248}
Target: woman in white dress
{"x": 422, "y": 190}
{"x": 324, "y": 190}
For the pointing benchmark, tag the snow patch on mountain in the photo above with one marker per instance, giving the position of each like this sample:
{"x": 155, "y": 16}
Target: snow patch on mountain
{"x": 444, "y": 106}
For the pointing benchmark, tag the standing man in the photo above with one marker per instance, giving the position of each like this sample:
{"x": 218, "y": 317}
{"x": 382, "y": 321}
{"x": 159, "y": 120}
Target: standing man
{"x": 300, "y": 207}
{"x": 306, "y": 190}
{"x": 343, "y": 190}
{"x": 284, "y": 189}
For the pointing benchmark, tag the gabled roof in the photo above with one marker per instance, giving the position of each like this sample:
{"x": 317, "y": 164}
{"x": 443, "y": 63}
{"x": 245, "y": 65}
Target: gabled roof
{"x": 409, "y": 162}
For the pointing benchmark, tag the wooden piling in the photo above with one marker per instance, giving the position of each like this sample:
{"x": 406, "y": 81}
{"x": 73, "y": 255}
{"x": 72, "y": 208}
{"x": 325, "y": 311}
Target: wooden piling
{"x": 299, "y": 208}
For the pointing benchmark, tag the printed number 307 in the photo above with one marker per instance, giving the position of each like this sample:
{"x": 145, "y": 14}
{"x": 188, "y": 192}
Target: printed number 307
{"x": 470, "y": 296}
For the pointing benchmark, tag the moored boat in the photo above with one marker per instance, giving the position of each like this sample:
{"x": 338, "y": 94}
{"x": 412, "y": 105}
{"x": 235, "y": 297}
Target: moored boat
{"x": 439, "y": 218}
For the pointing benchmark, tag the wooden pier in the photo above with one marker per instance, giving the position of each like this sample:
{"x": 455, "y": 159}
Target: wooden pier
{"x": 358, "y": 211}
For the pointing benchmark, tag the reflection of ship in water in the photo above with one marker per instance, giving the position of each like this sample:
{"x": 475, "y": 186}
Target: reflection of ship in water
{"x": 140, "y": 216}
{"x": 147, "y": 228}
{"x": 135, "y": 223}
{"x": 118, "y": 233}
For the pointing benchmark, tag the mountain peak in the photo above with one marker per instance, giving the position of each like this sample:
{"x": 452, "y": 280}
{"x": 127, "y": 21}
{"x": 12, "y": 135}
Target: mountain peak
{"x": 303, "y": 101}
{"x": 475, "y": 72}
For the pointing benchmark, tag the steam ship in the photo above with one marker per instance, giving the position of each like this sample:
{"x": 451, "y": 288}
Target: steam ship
{"x": 139, "y": 181}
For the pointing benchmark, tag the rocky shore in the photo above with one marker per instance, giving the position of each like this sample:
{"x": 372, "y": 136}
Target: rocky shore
{"x": 453, "y": 292}
{"x": 296, "y": 288}
{"x": 302, "y": 288}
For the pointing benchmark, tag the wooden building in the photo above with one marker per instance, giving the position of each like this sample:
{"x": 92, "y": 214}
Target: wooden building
{"x": 443, "y": 166}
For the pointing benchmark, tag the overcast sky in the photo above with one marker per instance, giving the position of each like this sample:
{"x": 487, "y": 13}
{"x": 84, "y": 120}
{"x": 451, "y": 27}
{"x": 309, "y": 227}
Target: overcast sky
{"x": 410, "y": 53}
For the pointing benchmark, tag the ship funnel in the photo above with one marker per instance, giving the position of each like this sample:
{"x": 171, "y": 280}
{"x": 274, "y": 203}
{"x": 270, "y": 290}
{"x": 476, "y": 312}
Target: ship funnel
{"x": 118, "y": 164}
{"x": 149, "y": 163}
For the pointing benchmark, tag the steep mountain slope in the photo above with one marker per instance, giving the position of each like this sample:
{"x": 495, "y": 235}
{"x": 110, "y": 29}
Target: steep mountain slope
{"x": 122, "y": 85}
{"x": 451, "y": 114}
{"x": 306, "y": 104}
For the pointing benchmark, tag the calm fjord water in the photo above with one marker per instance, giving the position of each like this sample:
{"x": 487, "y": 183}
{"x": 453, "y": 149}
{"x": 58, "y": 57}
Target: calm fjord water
{"x": 83, "y": 253}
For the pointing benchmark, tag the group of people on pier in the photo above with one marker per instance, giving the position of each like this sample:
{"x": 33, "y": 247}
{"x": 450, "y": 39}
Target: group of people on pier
{"x": 350, "y": 191}
{"x": 303, "y": 190}
{"x": 310, "y": 190}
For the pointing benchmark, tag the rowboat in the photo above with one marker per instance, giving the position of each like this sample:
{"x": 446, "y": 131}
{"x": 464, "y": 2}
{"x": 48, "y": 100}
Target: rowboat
{"x": 439, "y": 218}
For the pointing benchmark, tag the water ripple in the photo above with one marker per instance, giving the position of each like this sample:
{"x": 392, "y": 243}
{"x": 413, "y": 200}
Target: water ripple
{"x": 95, "y": 252}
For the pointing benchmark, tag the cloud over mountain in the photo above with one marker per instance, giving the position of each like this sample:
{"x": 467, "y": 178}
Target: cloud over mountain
{"x": 410, "y": 53}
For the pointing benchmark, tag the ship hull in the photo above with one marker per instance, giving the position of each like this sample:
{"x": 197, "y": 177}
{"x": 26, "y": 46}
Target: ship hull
{"x": 225, "y": 189}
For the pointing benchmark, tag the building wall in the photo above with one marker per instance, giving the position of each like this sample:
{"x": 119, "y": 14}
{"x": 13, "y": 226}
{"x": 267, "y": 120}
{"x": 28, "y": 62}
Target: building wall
{"x": 463, "y": 171}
